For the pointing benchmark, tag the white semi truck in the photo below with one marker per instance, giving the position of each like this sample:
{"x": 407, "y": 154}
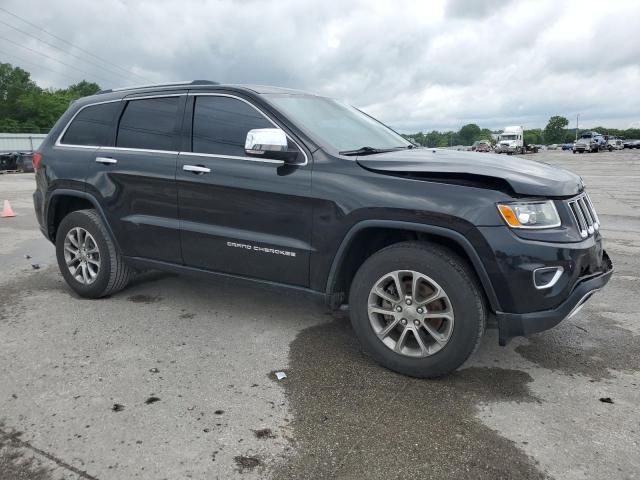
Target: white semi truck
{"x": 511, "y": 140}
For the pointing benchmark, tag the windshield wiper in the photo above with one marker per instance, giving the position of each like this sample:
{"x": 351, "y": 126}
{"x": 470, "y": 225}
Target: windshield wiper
{"x": 369, "y": 150}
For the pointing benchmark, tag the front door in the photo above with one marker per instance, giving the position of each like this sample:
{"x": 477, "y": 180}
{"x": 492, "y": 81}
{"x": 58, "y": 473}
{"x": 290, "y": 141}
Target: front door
{"x": 238, "y": 214}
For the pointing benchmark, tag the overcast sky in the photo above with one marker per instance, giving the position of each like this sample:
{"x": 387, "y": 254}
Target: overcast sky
{"x": 416, "y": 65}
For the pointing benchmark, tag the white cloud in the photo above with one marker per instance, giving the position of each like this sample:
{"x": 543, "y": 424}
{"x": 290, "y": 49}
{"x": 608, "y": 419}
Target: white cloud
{"x": 416, "y": 65}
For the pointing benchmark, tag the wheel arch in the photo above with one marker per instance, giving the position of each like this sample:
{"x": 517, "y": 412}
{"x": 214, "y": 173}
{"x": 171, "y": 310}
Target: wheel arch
{"x": 61, "y": 202}
{"x": 349, "y": 256}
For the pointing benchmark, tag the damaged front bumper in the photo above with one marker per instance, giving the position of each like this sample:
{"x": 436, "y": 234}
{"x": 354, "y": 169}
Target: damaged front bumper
{"x": 521, "y": 324}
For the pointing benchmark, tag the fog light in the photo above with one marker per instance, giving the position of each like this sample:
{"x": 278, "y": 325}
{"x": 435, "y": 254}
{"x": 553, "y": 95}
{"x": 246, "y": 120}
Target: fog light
{"x": 546, "y": 277}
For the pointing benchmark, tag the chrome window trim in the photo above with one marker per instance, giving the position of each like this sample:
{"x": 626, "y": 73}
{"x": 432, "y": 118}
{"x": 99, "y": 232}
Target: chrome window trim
{"x": 212, "y": 94}
{"x": 144, "y": 150}
{"x": 191, "y": 94}
{"x": 233, "y": 157}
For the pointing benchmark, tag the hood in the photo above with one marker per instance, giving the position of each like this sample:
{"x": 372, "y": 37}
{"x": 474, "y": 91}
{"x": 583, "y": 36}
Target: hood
{"x": 524, "y": 177}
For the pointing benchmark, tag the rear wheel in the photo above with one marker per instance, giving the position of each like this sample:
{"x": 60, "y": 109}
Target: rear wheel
{"x": 417, "y": 309}
{"x": 87, "y": 257}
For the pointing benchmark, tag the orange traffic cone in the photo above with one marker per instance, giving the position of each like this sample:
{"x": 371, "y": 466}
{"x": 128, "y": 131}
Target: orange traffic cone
{"x": 7, "y": 211}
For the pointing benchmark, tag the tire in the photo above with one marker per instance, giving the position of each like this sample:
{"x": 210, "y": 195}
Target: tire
{"x": 448, "y": 272}
{"x": 112, "y": 273}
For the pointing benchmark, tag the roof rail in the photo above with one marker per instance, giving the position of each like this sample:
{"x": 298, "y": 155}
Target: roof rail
{"x": 170, "y": 84}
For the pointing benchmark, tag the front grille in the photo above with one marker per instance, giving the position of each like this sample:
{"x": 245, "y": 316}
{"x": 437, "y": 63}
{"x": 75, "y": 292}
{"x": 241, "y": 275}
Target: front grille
{"x": 584, "y": 214}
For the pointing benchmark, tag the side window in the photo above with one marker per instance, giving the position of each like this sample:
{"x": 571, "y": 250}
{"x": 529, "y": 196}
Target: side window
{"x": 93, "y": 126}
{"x": 150, "y": 124}
{"x": 220, "y": 125}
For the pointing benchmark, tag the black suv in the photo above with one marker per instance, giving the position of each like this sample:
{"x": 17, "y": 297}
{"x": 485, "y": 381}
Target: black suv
{"x": 426, "y": 246}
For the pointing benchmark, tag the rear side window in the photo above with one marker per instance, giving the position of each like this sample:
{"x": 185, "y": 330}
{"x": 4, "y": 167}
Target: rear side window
{"x": 150, "y": 124}
{"x": 220, "y": 125}
{"x": 93, "y": 125}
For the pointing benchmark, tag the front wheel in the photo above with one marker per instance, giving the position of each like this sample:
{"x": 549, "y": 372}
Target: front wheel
{"x": 87, "y": 257}
{"x": 417, "y": 309}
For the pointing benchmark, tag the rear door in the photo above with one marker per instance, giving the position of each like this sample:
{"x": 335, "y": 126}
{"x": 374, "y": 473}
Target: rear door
{"x": 239, "y": 214}
{"x": 135, "y": 178}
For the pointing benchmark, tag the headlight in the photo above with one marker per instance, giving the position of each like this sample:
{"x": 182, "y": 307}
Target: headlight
{"x": 530, "y": 214}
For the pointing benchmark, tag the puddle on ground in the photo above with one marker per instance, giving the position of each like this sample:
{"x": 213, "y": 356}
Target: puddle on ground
{"x": 355, "y": 419}
{"x": 591, "y": 348}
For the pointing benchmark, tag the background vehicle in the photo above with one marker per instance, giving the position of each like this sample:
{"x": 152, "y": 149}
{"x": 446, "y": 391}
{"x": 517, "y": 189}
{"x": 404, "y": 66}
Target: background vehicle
{"x": 567, "y": 146}
{"x": 16, "y": 161}
{"x": 588, "y": 142}
{"x": 614, "y": 143}
{"x": 24, "y": 162}
{"x": 631, "y": 144}
{"x": 531, "y": 148}
{"x": 425, "y": 245}
{"x": 511, "y": 140}
{"x": 484, "y": 146}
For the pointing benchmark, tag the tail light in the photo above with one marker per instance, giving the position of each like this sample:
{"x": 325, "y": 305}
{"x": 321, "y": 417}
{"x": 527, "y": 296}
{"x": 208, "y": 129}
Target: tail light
{"x": 36, "y": 158}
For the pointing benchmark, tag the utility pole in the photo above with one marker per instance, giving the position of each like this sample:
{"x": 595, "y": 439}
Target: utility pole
{"x": 577, "y": 122}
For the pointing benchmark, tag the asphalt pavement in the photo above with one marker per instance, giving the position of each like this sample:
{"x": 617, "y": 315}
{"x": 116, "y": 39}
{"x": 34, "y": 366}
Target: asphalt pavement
{"x": 174, "y": 376}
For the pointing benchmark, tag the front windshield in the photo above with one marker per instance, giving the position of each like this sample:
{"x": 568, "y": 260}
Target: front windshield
{"x": 336, "y": 124}
{"x": 508, "y": 137}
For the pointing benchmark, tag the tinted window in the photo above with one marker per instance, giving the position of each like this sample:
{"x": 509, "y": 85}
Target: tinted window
{"x": 220, "y": 125}
{"x": 93, "y": 126}
{"x": 149, "y": 124}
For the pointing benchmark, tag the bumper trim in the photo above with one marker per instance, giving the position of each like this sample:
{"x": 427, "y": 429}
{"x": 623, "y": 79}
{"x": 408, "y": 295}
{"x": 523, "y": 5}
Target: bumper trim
{"x": 522, "y": 324}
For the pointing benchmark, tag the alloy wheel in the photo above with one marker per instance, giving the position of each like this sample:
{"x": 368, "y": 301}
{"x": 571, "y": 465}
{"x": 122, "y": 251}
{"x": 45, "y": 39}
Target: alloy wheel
{"x": 81, "y": 255}
{"x": 410, "y": 313}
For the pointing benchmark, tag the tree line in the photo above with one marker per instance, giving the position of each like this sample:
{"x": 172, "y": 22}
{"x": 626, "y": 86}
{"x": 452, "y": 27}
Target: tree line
{"x": 556, "y": 131}
{"x": 27, "y": 108}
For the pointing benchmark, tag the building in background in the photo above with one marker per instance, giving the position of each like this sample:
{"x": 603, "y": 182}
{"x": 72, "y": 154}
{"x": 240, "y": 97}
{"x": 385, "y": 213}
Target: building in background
{"x": 16, "y": 150}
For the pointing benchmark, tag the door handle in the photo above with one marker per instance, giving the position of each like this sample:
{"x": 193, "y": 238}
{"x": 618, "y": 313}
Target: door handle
{"x": 106, "y": 160}
{"x": 196, "y": 169}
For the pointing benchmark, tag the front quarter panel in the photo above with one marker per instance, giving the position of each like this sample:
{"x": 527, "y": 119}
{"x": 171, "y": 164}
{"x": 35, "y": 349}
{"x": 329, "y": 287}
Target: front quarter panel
{"x": 346, "y": 194}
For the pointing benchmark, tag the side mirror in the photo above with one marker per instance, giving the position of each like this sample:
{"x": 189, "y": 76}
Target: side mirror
{"x": 269, "y": 143}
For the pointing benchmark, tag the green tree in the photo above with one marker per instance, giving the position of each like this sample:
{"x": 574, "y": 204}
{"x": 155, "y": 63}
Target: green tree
{"x": 486, "y": 134}
{"x": 533, "y": 136}
{"x": 469, "y": 133}
{"x": 554, "y": 131}
{"x": 82, "y": 89}
{"x": 14, "y": 82}
{"x": 25, "y": 107}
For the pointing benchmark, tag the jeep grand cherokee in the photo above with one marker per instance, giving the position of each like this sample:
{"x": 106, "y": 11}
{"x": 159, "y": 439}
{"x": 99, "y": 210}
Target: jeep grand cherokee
{"x": 304, "y": 192}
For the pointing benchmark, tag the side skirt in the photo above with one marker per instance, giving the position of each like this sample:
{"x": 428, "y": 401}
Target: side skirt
{"x": 145, "y": 263}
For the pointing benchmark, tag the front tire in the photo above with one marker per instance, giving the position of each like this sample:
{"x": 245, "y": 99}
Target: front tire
{"x": 417, "y": 309}
{"x": 87, "y": 256}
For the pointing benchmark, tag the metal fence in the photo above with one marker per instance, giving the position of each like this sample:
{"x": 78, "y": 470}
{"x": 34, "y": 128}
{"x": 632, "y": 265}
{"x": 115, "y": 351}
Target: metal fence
{"x": 20, "y": 142}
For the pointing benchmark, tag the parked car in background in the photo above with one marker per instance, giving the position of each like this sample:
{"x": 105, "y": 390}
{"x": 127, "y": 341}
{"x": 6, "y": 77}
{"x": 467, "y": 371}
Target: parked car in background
{"x": 484, "y": 146}
{"x": 531, "y": 148}
{"x": 24, "y": 163}
{"x": 567, "y": 146}
{"x": 16, "y": 161}
{"x": 631, "y": 144}
{"x": 553, "y": 146}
